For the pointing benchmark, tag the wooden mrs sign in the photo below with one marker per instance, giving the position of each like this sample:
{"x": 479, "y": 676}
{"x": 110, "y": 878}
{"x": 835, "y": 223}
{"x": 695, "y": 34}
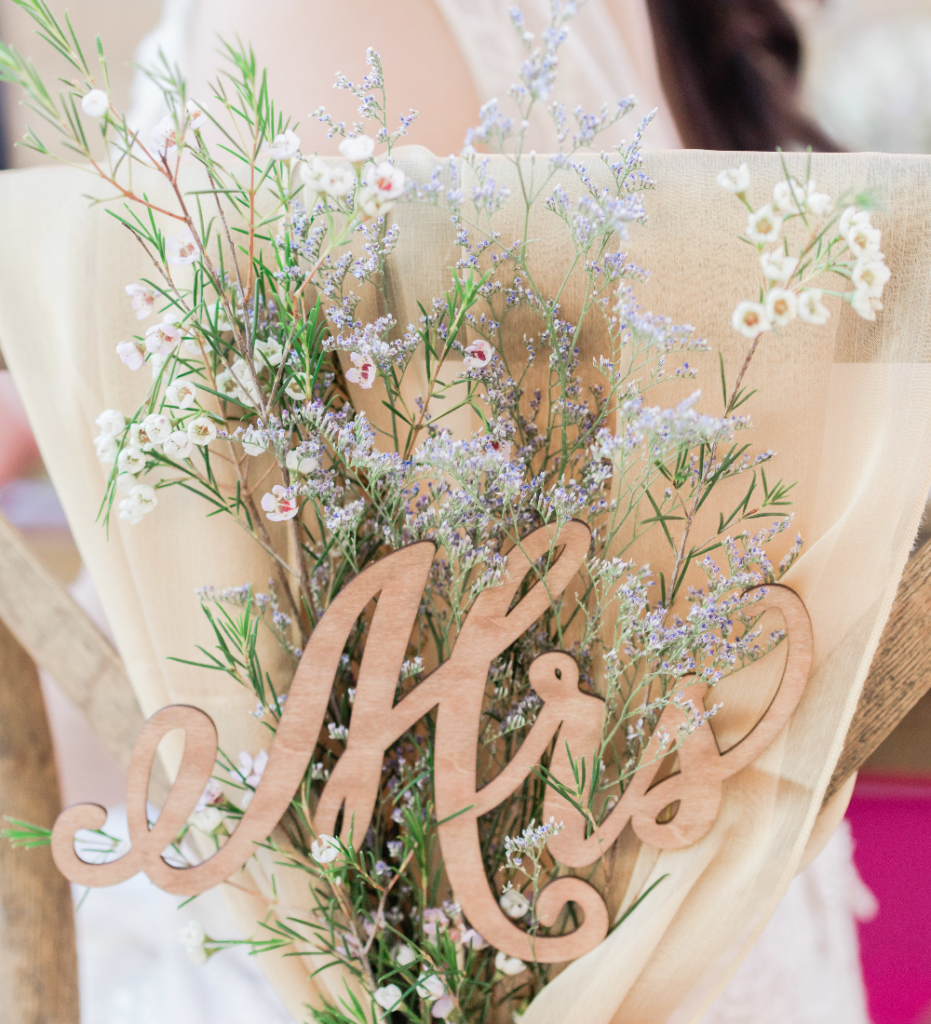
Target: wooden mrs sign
{"x": 455, "y": 691}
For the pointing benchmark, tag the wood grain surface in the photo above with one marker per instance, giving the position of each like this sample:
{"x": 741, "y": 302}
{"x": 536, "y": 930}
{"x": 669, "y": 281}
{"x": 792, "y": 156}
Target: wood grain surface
{"x": 900, "y": 673}
{"x": 38, "y": 967}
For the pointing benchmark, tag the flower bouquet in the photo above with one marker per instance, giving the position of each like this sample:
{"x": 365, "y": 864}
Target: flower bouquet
{"x": 505, "y": 577}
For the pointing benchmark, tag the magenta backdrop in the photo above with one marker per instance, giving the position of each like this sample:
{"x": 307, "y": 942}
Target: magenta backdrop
{"x": 891, "y": 823}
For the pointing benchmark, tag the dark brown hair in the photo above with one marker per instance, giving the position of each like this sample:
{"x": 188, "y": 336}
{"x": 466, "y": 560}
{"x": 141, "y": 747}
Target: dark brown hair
{"x": 730, "y": 70}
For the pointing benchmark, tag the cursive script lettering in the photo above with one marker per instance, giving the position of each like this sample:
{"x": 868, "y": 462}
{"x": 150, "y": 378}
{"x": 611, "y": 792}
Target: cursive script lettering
{"x": 454, "y": 691}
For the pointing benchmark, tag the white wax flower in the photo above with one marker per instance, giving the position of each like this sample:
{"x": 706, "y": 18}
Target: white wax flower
{"x": 750, "y": 319}
{"x": 131, "y": 353}
{"x": 388, "y": 996}
{"x": 164, "y": 136}
{"x": 250, "y": 768}
{"x": 789, "y": 196}
{"x": 478, "y": 355}
{"x": 442, "y": 1008}
{"x": 212, "y": 794}
{"x": 126, "y": 482}
{"x": 321, "y": 177}
{"x": 156, "y": 363}
{"x": 254, "y": 443}
{"x": 304, "y": 464}
{"x": 857, "y": 231}
{"x": 403, "y": 954}
{"x": 764, "y": 225}
{"x": 430, "y": 986}
{"x": 181, "y": 393}
{"x": 780, "y": 306}
{"x": 853, "y": 217}
{"x": 141, "y": 502}
{"x": 162, "y": 338}
{"x": 138, "y": 438}
{"x": 178, "y": 445}
{"x": 95, "y": 103}
{"x": 228, "y": 385}
{"x": 383, "y": 184}
{"x": 143, "y": 299}
{"x": 363, "y": 373}
{"x": 202, "y": 430}
{"x": 314, "y": 173}
{"x": 471, "y": 939}
{"x": 865, "y": 305}
{"x": 865, "y": 241}
{"x": 868, "y": 276}
{"x": 357, "y": 150}
{"x": 279, "y": 505}
{"x": 339, "y": 182}
{"x": 514, "y": 904}
{"x": 250, "y": 391}
{"x": 129, "y": 512}
{"x": 181, "y": 249}
{"x": 811, "y": 309}
{"x": 778, "y": 266}
{"x": 193, "y": 937}
{"x": 324, "y": 849}
{"x": 111, "y": 421}
{"x": 736, "y": 179}
{"x": 294, "y": 390}
{"x": 144, "y": 497}
{"x": 271, "y": 351}
{"x": 106, "y": 447}
{"x": 208, "y": 820}
{"x": 283, "y": 146}
{"x": 498, "y": 447}
{"x": 819, "y": 204}
{"x": 157, "y": 427}
{"x": 131, "y": 460}
{"x": 197, "y": 117}
{"x": 509, "y": 965}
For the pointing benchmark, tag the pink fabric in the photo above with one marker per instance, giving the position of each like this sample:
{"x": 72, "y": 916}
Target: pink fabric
{"x": 891, "y": 822}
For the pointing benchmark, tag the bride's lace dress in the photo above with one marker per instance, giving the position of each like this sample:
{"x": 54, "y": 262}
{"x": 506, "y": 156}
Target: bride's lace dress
{"x": 804, "y": 969}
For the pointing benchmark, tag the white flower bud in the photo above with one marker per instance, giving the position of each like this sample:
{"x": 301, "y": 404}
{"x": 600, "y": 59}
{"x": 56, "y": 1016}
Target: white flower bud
{"x": 736, "y": 180}
{"x": 111, "y": 421}
{"x": 95, "y": 103}
{"x": 357, "y": 150}
{"x": 388, "y": 996}
{"x": 514, "y": 904}
{"x": 509, "y": 965}
{"x": 324, "y": 849}
{"x": 107, "y": 447}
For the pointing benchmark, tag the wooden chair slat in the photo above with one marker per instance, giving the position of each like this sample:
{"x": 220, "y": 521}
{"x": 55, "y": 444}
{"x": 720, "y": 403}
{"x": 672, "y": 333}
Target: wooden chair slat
{"x": 38, "y": 963}
{"x": 900, "y": 674}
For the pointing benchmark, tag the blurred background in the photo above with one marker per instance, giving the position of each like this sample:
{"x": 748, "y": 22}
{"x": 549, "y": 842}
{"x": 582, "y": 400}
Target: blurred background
{"x": 860, "y": 79}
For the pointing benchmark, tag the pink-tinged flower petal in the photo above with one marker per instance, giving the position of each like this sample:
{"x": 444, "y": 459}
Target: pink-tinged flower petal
{"x": 363, "y": 373}
{"x": 478, "y": 355}
{"x": 279, "y": 505}
{"x": 143, "y": 299}
{"x": 182, "y": 249}
{"x": 132, "y": 353}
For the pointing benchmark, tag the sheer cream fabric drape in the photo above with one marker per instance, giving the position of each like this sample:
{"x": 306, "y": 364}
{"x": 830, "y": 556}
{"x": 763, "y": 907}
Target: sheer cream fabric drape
{"x": 608, "y": 55}
{"x": 847, "y": 406}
